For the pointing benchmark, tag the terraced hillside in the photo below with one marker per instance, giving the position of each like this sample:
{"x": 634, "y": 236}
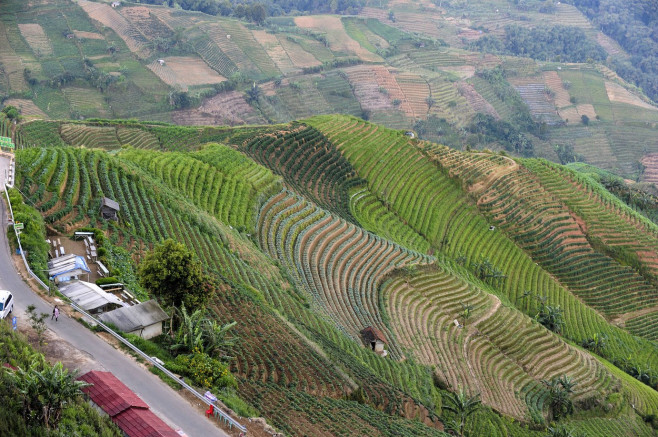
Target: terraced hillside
{"x": 427, "y": 194}
{"x": 490, "y": 354}
{"x": 338, "y": 263}
{"x": 376, "y": 229}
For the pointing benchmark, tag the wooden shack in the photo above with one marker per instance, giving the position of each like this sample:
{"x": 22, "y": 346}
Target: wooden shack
{"x": 374, "y": 338}
{"x": 109, "y": 209}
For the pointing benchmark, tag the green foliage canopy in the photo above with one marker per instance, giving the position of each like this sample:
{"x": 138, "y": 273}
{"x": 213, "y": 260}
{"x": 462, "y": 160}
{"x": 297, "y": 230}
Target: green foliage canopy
{"x": 173, "y": 274}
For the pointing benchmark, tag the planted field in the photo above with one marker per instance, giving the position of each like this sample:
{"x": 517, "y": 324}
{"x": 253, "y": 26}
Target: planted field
{"x": 534, "y": 95}
{"x": 81, "y": 135}
{"x": 147, "y": 23}
{"x": 137, "y": 138}
{"x": 650, "y": 163}
{"x": 475, "y": 100}
{"x": 251, "y": 48}
{"x": 340, "y": 43}
{"x": 560, "y": 94}
{"x": 361, "y": 33}
{"x": 299, "y": 57}
{"x": 432, "y": 204}
{"x": 416, "y": 91}
{"x": 498, "y": 352}
{"x": 309, "y": 163}
{"x": 86, "y": 101}
{"x": 338, "y": 264}
{"x": 11, "y": 64}
{"x": 185, "y": 71}
{"x": 275, "y": 51}
{"x": 375, "y": 217}
{"x": 225, "y": 189}
{"x": 225, "y": 42}
{"x": 210, "y": 52}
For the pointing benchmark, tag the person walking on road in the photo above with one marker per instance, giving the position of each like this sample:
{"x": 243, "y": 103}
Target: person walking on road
{"x": 55, "y": 313}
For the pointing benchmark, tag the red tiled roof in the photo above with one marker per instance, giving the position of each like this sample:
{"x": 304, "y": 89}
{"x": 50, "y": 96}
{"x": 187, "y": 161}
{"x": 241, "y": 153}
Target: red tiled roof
{"x": 110, "y": 394}
{"x": 142, "y": 423}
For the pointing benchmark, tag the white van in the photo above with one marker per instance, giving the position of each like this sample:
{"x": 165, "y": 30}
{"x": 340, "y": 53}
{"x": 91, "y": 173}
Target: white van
{"x": 6, "y": 303}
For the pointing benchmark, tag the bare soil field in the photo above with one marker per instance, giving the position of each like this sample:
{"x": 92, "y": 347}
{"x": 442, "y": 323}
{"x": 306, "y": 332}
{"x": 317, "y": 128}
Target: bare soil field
{"x": 650, "y": 163}
{"x": 275, "y": 51}
{"x": 569, "y": 114}
{"x": 27, "y": 108}
{"x": 617, "y": 93}
{"x": 476, "y": 101}
{"x": 223, "y": 109}
{"x": 81, "y": 34}
{"x": 185, "y": 71}
{"x": 553, "y": 81}
{"x": 586, "y": 109}
{"x": 107, "y": 16}
{"x": 36, "y": 38}
{"x": 609, "y": 45}
{"x": 339, "y": 40}
{"x": 149, "y": 24}
{"x": 371, "y": 95}
{"x": 298, "y": 56}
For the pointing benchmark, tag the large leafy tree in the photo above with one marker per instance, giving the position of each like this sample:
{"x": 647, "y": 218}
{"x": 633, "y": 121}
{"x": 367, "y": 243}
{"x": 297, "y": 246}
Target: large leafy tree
{"x": 172, "y": 274}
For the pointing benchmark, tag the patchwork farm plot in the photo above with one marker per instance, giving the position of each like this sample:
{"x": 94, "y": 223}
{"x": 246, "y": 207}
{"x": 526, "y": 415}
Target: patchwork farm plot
{"x": 36, "y": 38}
{"x": 184, "y": 72}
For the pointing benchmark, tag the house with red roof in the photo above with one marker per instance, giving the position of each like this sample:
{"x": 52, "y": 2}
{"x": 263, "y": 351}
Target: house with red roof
{"x": 131, "y": 414}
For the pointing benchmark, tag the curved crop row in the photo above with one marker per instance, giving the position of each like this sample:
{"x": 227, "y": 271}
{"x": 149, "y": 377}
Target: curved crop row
{"x": 498, "y": 352}
{"x": 339, "y": 264}
{"x": 309, "y": 163}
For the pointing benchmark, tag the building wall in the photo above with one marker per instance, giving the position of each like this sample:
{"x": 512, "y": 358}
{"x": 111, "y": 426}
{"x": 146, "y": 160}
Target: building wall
{"x": 150, "y": 331}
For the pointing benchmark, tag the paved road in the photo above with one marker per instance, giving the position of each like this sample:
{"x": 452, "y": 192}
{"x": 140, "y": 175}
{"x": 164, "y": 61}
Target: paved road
{"x": 160, "y": 397}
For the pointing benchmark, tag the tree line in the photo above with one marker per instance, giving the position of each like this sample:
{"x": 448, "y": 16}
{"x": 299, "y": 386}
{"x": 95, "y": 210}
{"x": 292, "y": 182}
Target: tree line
{"x": 552, "y": 43}
{"x": 258, "y": 11}
{"x": 634, "y": 25}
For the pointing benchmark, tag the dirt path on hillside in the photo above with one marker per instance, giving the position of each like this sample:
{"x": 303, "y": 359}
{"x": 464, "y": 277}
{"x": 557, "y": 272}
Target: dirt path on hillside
{"x": 621, "y": 320}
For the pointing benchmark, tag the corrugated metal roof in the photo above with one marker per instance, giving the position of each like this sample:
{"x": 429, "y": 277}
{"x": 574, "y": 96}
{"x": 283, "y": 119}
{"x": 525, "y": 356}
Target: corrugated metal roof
{"x": 112, "y": 395}
{"x": 67, "y": 264}
{"x": 126, "y": 409}
{"x": 142, "y": 423}
{"x": 134, "y": 317}
{"x": 110, "y": 203}
{"x": 87, "y": 295}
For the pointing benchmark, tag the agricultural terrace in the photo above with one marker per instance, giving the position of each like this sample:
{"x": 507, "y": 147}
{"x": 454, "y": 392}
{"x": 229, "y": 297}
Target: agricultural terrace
{"x": 308, "y": 379}
{"x": 309, "y": 163}
{"x": 422, "y": 192}
{"x": 499, "y": 352}
{"x": 340, "y": 265}
{"x": 185, "y": 71}
{"x": 218, "y": 180}
{"x": 67, "y": 185}
{"x": 549, "y": 231}
{"x": 340, "y": 42}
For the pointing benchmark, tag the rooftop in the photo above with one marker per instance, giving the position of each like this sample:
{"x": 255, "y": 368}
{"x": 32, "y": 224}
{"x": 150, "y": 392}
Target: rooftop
{"x": 110, "y": 203}
{"x": 89, "y": 296}
{"x": 112, "y": 395}
{"x": 134, "y": 317}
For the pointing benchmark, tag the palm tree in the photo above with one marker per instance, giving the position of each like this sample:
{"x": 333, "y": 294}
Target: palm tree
{"x": 560, "y": 390}
{"x": 462, "y": 406}
{"x": 562, "y": 431}
{"x": 45, "y": 391}
{"x": 190, "y": 331}
{"x": 198, "y": 332}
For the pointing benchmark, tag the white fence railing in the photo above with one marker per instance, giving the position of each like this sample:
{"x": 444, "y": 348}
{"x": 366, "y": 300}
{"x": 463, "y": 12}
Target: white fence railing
{"x": 18, "y": 238}
{"x": 225, "y": 417}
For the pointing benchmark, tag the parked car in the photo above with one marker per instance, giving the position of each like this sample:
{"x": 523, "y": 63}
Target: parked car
{"x": 6, "y": 303}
